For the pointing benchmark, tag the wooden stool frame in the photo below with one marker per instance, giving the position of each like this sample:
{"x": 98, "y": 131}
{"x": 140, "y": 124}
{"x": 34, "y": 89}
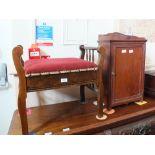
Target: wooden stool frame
{"x": 43, "y": 82}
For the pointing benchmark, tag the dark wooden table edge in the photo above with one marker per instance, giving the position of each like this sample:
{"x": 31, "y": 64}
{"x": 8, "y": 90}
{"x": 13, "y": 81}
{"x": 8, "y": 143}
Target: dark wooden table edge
{"x": 106, "y": 124}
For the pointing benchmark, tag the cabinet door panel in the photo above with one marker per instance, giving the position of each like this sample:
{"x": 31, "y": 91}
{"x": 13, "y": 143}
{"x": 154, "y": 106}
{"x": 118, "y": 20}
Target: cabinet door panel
{"x": 128, "y": 72}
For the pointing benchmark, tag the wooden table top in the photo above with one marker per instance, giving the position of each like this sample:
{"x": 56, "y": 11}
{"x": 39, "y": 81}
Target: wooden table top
{"x": 77, "y": 118}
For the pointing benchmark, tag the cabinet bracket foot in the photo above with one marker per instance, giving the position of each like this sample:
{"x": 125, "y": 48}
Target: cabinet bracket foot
{"x": 141, "y": 102}
{"x": 108, "y": 112}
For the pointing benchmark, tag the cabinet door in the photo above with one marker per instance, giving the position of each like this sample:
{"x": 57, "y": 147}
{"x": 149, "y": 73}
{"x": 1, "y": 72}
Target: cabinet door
{"x": 127, "y": 73}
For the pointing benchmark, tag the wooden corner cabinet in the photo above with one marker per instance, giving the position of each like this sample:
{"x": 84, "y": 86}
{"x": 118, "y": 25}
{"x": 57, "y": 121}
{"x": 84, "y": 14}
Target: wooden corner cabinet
{"x": 124, "y": 68}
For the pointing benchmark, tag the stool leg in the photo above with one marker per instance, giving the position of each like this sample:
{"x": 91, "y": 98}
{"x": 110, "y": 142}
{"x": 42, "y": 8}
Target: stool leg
{"x": 100, "y": 115}
{"x": 23, "y": 114}
{"x": 19, "y": 65}
{"x": 82, "y": 93}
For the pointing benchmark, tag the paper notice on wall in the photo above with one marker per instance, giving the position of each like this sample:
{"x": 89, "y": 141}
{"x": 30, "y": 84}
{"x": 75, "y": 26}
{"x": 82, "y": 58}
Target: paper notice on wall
{"x": 44, "y": 33}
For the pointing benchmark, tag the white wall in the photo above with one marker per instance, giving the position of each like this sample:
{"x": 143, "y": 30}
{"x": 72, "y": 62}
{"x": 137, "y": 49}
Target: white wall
{"x": 96, "y": 27}
{"x": 7, "y": 96}
{"x": 150, "y": 56}
{"x": 22, "y": 32}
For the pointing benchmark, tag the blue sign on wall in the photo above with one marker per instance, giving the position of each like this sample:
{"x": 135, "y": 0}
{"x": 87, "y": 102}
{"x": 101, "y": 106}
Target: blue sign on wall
{"x": 44, "y": 32}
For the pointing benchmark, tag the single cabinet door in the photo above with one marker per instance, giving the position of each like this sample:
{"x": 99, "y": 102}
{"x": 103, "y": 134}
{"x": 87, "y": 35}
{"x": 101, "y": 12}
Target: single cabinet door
{"x": 127, "y": 73}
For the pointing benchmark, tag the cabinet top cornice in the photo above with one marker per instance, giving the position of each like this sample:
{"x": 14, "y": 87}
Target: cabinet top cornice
{"x": 116, "y": 36}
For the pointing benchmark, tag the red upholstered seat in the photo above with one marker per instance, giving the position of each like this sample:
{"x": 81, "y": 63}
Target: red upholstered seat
{"x": 57, "y": 65}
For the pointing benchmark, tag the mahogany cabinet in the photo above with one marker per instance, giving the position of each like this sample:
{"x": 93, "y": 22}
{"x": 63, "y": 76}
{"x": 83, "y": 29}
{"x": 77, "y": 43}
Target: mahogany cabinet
{"x": 123, "y": 68}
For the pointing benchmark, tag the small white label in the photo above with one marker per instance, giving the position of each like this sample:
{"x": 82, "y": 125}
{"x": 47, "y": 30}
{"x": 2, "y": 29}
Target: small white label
{"x": 65, "y": 129}
{"x": 48, "y": 133}
{"x": 130, "y": 51}
{"x": 34, "y": 53}
{"x": 123, "y": 51}
{"x": 64, "y": 80}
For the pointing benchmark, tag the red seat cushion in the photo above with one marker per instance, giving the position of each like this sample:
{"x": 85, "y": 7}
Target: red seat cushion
{"x": 56, "y": 64}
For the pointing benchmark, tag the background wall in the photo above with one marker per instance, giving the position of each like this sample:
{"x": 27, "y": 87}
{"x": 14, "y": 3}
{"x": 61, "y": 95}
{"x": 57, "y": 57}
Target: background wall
{"x": 7, "y": 96}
